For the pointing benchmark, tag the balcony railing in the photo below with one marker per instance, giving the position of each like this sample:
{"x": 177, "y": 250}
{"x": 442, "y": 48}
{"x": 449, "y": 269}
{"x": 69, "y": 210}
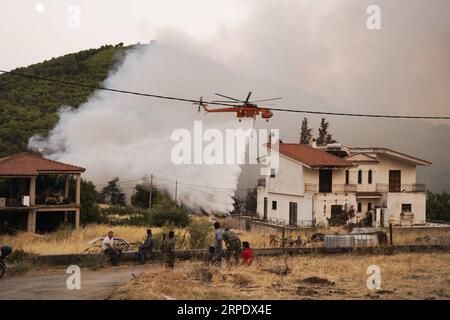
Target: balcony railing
{"x": 379, "y": 187}
{"x": 414, "y": 187}
{"x": 23, "y": 201}
{"x": 336, "y": 188}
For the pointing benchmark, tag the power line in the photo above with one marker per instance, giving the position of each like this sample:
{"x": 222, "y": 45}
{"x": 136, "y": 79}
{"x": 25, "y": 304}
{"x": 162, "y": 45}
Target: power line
{"x": 366, "y": 115}
{"x": 172, "y": 182}
{"x": 83, "y": 85}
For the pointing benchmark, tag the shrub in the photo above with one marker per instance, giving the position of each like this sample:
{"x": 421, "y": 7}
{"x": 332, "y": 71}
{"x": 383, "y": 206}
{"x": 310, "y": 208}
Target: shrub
{"x": 200, "y": 234}
{"x": 158, "y": 237}
{"x": 167, "y": 213}
{"x": 17, "y": 256}
{"x": 120, "y": 216}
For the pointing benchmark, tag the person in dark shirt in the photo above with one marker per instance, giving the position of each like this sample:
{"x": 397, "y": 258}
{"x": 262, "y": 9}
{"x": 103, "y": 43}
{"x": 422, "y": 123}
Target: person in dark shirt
{"x": 146, "y": 248}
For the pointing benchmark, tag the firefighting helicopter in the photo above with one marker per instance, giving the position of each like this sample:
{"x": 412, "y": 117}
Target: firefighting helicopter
{"x": 244, "y": 108}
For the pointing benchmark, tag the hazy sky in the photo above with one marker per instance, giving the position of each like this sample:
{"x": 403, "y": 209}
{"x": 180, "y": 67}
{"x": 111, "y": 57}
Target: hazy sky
{"x": 30, "y": 34}
{"x": 316, "y": 54}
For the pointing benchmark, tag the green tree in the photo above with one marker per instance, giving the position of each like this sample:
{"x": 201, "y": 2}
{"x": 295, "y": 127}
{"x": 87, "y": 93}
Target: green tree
{"x": 438, "y": 206}
{"x": 89, "y": 198}
{"x": 166, "y": 212}
{"x": 30, "y": 107}
{"x": 306, "y": 132}
{"x": 251, "y": 200}
{"x": 112, "y": 193}
{"x": 324, "y": 137}
{"x": 141, "y": 199}
{"x": 239, "y": 204}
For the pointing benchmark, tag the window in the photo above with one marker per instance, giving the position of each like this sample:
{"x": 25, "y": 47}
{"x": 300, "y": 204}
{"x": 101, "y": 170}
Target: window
{"x": 406, "y": 207}
{"x": 369, "y": 206}
{"x": 369, "y": 177}
{"x": 359, "y": 207}
{"x": 274, "y": 205}
{"x": 272, "y": 172}
{"x": 347, "y": 177}
{"x": 359, "y": 176}
{"x": 293, "y": 213}
{"x": 395, "y": 180}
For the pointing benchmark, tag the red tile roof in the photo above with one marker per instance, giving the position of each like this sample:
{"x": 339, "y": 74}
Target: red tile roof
{"x": 310, "y": 156}
{"x": 25, "y": 164}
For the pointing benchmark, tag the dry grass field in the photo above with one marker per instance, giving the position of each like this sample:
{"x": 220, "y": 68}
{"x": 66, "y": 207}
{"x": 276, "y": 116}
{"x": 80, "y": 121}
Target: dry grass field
{"x": 403, "y": 276}
{"x": 70, "y": 241}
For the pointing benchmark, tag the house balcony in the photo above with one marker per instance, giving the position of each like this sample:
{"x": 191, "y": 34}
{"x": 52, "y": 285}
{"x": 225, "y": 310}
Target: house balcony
{"x": 411, "y": 188}
{"x": 22, "y": 202}
{"x": 335, "y": 188}
{"x": 414, "y": 187}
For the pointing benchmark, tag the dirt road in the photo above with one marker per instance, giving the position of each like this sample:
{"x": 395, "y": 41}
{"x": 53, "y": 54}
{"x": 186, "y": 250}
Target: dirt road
{"x": 95, "y": 285}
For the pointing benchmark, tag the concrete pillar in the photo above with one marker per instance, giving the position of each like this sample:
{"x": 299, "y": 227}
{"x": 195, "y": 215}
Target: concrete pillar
{"x": 77, "y": 219}
{"x": 32, "y": 191}
{"x": 31, "y": 225}
{"x": 66, "y": 196}
{"x": 78, "y": 190}
{"x": 66, "y": 187}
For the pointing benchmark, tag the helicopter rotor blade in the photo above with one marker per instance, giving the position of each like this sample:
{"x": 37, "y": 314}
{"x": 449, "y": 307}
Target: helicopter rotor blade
{"x": 272, "y": 99}
{"x": 223, "y": 96}
{"x": 248, "y": 97}
{"x": 222, "y": 101}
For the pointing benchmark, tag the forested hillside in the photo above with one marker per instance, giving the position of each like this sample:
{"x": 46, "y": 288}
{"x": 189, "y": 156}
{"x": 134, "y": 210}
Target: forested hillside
{"x": 29, "y": 107}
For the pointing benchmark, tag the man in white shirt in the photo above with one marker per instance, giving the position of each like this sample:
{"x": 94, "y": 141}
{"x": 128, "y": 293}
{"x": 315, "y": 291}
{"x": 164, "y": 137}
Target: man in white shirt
{"x": 110, "y": 249}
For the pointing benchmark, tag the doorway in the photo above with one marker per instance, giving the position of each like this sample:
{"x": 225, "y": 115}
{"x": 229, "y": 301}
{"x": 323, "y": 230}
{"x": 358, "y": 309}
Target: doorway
{"x": 265, "y": 210}
{"x": 395, "y": 177}
{"x": 325, "y": 181}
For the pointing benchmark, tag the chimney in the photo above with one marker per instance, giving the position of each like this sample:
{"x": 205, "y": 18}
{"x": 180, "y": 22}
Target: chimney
{"x": 313, "y": 143}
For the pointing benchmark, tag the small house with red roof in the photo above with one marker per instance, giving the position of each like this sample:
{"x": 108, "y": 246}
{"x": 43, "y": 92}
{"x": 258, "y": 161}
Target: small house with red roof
{"x": 336, "y": 185}
{"x": 38, "y": 194}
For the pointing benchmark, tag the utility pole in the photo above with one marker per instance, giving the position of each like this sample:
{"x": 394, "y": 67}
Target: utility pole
{"x": 151, "y": 192}
{"x": 176, "y": 191}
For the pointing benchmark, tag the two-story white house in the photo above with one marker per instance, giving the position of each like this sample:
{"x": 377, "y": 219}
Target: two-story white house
{"x": 316, "y": 185}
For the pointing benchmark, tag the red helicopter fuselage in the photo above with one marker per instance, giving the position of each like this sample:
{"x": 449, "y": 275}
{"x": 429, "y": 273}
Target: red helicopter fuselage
{"x": 250, "y": 111}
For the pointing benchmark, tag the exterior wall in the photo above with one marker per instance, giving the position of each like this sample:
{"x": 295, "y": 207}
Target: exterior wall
{"x": 288, "y": 179}
{"x": 281, "y": 213}
{"x": 324, "y": 201}
{"x": 380, "y": 173}
{"x": 417, "y": 201}
{"x": 288, "y": 185}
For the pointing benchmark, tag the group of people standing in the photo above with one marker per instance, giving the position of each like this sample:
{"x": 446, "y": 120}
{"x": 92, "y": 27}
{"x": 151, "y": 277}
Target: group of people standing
{"x": 227, "y": 238}
{"x": 234, "y": 247}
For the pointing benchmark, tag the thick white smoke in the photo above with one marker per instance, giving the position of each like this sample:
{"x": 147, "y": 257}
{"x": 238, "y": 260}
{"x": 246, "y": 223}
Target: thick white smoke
{"x": 129, "y": 136}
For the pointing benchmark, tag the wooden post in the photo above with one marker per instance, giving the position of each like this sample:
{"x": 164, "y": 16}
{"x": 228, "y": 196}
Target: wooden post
{"x": 151, "y": 191}
{"x": 66, "y": 187}
{"x": 78, "y": 190}
{"x": 390, "y": 234}
{"x": 176, "y": 191}
{"x": 77, "y": 219}
{"x": 32, "y": 191}
{"x": 31, "y": 223}
{"x": 66, "y": 197}
{"x": 283, "y": 236}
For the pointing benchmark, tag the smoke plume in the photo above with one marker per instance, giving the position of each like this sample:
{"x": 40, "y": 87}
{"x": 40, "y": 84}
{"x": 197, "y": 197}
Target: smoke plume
{"x": 130, "y": 137}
